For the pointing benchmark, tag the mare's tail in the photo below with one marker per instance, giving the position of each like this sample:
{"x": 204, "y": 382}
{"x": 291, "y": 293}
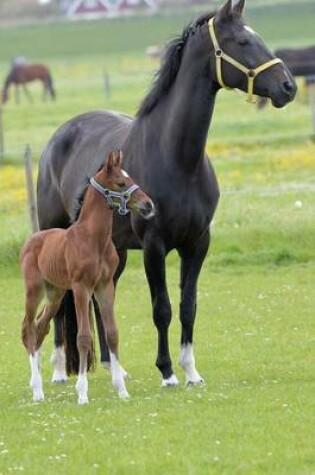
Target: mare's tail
{"x": 70, "y": 337}
{"x": 50, "y": 86}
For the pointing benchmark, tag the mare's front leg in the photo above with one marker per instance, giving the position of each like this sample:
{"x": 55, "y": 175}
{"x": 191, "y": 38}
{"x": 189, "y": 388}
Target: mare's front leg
{"x": 105, "y": 294}
{"x": 154, "y": 262}
{"x": 192, "y": 258}
{"x": 84, "y": 338}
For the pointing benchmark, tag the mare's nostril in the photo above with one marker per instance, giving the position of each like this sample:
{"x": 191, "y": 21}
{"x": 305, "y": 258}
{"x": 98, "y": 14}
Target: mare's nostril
{"x": 288, "y": 86}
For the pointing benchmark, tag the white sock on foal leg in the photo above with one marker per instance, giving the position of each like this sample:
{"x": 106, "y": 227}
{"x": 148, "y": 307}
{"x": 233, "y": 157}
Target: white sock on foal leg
{"x": 36, "y": 382}
{"x": 187, "y": 362}
{"x": 118, "y": 377}
{"x": 82, "y": 387}
{"x": 58, "y": 361}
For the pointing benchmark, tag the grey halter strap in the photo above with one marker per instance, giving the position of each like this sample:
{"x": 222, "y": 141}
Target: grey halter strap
{"x": 115, "y": 199}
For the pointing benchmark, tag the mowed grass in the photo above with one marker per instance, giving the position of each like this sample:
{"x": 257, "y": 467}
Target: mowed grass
{"x": 254, "y": 329}
{"x": 254, "y": 415}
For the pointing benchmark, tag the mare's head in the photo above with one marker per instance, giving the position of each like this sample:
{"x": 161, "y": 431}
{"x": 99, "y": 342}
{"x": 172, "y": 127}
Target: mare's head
{"x": 241, "y": 60}
{"x": 120, "y": 190}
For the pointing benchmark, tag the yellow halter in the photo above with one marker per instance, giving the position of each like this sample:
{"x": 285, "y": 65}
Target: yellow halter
{"x": 250, "y": 73}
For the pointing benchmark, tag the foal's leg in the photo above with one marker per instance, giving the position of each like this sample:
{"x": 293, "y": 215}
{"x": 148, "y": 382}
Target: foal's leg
{"x": 54, "y": 297}
{"x": 84, "y": 338}
{"x": 105, "y": 296}
{"x": 154, "y": 261}
{"x": 192, "y": 260}
{"x": 34, "y": 294}
{"x": 105, "y": 358}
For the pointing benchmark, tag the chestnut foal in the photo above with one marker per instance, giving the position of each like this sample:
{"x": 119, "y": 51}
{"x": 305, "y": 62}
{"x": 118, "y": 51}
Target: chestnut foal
{"x": 81, "y": 258}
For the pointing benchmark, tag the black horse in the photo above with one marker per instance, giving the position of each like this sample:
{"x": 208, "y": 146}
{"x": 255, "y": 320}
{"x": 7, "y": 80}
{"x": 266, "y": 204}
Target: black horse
{"x": 164, "y": 150}
{"x": 301, "y": 63}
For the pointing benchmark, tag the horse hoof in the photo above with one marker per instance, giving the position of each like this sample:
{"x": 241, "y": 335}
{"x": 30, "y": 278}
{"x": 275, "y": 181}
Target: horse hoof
{"x": 106, "y": 365}
{"x": 195, "y": 381}
{"x": 83, "y": 400}
{"x": 123, "y": 394}
{"x": 38, "y": 396}
{"x": 59, "y": 378}
{"x": 171, "y": 381}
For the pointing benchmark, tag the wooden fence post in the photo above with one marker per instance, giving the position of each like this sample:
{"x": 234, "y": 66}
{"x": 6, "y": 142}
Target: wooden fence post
{"x": 310, "y": 81}
{"x": 1, "y": 136}
{"x": 28, "y": 158}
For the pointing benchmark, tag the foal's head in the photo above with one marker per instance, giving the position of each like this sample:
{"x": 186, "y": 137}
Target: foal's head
{"x": 120, "y": 190}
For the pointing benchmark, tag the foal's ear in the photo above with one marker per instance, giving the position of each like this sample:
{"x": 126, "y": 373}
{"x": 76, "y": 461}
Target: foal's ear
{"x": 239, "y": 8}
{"x": 110, "y": 162}
{"x": 226, "y": 12}
{"x": 120, "y": 157}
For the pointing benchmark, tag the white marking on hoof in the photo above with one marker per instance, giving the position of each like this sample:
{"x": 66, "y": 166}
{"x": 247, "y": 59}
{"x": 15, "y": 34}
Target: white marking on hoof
{"x": 187, "y": 362}
{"x": 82, "y": 388}
{"x": 58, "y": 361}
{"x": 36, "y": 382}
{"x": 106, "y": 365}
{"x": 123, "y": 394}
{"x": 38, "y": 395}
{"x": 171, "y": 381}
{"x": 118, "y": 377}
{"x": 83, "y": 400}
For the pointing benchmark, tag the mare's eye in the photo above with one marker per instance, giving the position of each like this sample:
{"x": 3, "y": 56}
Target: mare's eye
{"x": 121, "y": 184}
{"x": 243, "y": 41}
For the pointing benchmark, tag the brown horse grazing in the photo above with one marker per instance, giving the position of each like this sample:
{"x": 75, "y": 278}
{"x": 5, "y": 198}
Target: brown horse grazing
{"x": 22, "y": 74}
{"x": 301, "y": 63}
{"x": 83, "y": 259}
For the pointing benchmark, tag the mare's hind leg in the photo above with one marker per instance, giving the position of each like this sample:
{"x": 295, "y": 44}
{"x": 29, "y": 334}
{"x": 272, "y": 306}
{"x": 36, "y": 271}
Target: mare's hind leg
{"x": 105, "y": 296}
{"x": 58, "y": 357}
{"x": 84, "y": 339}
{"x": 34, "y": 294}
{"x": 192, "y": 260}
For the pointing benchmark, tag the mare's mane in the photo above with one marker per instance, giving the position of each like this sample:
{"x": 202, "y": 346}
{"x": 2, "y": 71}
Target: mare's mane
{"x": 171, "y": 62}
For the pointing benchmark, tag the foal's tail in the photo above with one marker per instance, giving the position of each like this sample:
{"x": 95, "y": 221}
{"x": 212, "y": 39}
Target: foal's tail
{"x": 70, "y": 337}
{"x": 50, "y": 86}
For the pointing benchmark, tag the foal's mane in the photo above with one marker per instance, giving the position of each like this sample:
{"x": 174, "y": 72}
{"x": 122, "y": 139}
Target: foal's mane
{"x": 171, "y": 62}
{"x": 78, "y": 202}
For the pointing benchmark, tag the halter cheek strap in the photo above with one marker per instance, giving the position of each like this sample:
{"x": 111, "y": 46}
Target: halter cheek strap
{"x": 250, "y": 73}
{"x": 115, "y": 199}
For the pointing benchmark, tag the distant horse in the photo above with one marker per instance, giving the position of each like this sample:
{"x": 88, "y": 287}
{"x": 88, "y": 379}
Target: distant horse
{"x": 164, "y": 148}
{"x": 21, "y": 74}
{"x": 83, "y": 259}
{"x": 301, "y": 63}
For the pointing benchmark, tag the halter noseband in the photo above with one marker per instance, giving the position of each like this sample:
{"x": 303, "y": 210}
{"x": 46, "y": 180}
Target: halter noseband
{"x": 116, "y": 199}
{"x": 250, "y": 73}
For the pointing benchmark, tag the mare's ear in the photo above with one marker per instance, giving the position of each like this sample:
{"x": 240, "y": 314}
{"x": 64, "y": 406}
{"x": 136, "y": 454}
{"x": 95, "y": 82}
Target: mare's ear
{"x": 110, "y": 162}
{"x": 239, "y": 8}
{"x": 226, "y": 12}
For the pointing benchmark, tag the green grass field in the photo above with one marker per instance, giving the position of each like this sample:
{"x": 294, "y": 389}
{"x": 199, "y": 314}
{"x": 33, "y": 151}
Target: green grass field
{"x": 255, "y": 326}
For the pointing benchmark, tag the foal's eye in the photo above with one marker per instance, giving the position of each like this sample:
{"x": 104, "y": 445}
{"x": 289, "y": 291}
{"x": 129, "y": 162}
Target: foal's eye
{"x": 121, "y": 184}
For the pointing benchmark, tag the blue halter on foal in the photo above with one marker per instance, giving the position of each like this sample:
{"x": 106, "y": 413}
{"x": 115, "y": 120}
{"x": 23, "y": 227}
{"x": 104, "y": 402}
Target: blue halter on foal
{"x": 116, "y": 199}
